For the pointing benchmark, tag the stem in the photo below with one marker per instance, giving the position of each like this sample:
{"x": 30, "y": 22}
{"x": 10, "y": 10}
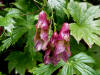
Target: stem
{"x": 54, "y": 24}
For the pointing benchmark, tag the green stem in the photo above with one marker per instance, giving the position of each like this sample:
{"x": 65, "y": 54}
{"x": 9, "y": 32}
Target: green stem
{"x": 54, "y": 24}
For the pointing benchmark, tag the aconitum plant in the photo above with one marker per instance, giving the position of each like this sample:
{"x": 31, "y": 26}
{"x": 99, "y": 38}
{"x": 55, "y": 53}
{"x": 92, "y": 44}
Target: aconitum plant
{"x": 41, "y": 36}
{"x": 49, "y": 37}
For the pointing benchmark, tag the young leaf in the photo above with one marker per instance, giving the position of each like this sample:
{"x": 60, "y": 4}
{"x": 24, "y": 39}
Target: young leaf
{"x": 84, "y": 27}
{"x": 20, "y": 62}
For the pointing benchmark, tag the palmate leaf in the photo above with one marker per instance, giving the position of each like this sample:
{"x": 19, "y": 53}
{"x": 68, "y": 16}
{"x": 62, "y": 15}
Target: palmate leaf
{"x": 20, "y": 62}
{"x": 78, "y": 62}
{"x": 85, "y": 27}
{"x": 17, "y": 33}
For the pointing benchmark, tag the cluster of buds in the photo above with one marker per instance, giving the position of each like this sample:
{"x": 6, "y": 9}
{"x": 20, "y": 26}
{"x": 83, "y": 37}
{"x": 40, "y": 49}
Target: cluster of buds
{"x": 58, "y": 47}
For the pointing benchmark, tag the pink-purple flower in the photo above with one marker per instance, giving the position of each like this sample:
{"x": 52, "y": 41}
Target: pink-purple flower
{"x": 41, "y": 35}
{"x": 58, "y": 47}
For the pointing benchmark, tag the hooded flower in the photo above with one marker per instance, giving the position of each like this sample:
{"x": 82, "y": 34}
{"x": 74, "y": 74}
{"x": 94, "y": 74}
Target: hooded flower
{"x": 58, "y": 46}
{"x": 63, "y": 40}
{"x": 41, "y": 35}
{"x": 50, "y": 48}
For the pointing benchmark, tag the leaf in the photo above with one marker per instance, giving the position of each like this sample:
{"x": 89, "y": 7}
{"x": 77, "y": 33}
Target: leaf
{"x": 84, "y": 69}
{"x": 24, "y": 5}
{"x": 84, "y": 58}
{"x": 59, "y": 5}
{"x": 9, "y": 28}
{"x": 85, "y": 26}
{"x": 78, "y": 61}
{"x": 7, "y": 20}
{"x": 95, "y": 53}
{"x": 47, "y": 69}
{"x": 13, "y": 12}
{"x": 67, "y": 69}
{"x": 20, "y": 62}
{"x": 17, "y": 33}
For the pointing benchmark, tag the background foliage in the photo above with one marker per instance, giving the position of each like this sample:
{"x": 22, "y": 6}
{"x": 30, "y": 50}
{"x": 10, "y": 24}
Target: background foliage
{"x": 18, "y": 19}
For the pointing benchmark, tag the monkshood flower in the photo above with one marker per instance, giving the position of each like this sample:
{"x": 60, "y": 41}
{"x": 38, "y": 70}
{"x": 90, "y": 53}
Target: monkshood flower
{"x": 41, "y": 35}
{"x": 58, "y": 46}
{"x": 50, "y": 48}
{"x": 62, "y": 48}
{"x": 63, "y": 40}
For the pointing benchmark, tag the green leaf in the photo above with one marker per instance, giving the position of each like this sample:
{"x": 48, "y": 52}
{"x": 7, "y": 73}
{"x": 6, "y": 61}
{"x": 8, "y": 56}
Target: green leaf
{"x": 17, "y": 33}
{"x": 84, "y": 69}
{"x": 13, "y": 12}
{"x": 7, "y": 20}
{"x": 95, "y": 53}
{"x": 58, "y": 5}
{"x": 84, "y": 58}
{"x": 25, "y": 5}
{"x": 67, "y": 69}
{"x": 85, "y": 26}
{"x": 47, "y": 69}
{"x": 20, "y": 62}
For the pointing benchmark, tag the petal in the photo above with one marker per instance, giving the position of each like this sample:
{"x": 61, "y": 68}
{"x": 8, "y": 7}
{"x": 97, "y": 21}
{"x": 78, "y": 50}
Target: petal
{"x": 53, "y": 39}
{"x": 46, "y": 57}
{"x": 60, "y": 47}
{"x": 42, "y": 21}
{"x": 54, "y": 59}
{"x": 64, "y": 56}
{"x": 38, "y": 45}
{"x": 45, "y": 44}
{"x": 45, "y": 25}
{"x": 44, "y": 35}
{"x": 64, "y": 32}
{"x": 69, "y": 53}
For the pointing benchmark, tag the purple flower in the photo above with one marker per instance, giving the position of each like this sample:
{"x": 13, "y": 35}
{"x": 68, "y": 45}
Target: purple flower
{"x": 58, "y": 46}
{"x": 41, "y": 35}
{"x": 64, "y": 32}
{"x": 50, "y": 48}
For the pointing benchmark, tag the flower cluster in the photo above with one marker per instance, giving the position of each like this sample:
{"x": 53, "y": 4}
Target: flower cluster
{"x": 57, "y": 47}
